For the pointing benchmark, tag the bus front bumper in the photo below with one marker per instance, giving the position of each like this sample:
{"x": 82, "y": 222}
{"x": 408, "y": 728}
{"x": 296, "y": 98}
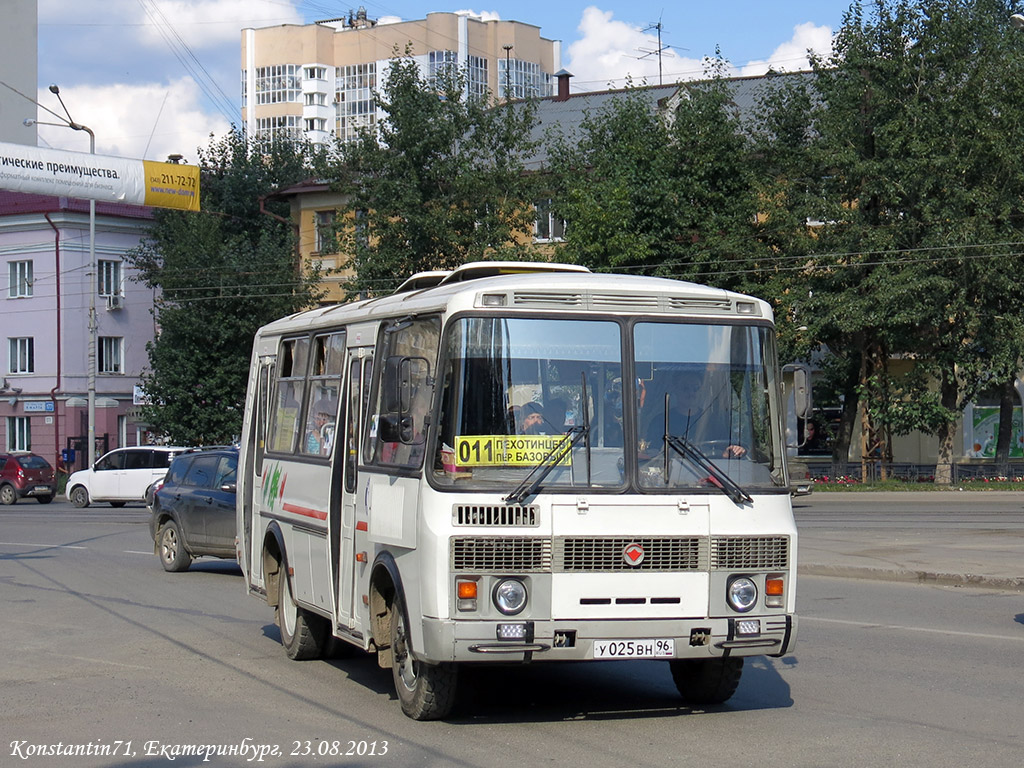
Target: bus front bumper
{"x": 596, "y": 639}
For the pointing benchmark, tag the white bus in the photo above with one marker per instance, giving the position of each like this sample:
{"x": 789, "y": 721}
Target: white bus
{"x": 519, "y": 463}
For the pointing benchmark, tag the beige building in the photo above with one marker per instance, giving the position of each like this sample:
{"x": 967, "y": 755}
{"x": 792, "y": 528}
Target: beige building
{"x": 317, "y": 80}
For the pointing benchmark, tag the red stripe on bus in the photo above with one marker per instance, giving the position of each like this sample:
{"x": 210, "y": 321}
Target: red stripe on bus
{"x": 362, "y": 526}
{"x": 305, "y": 511}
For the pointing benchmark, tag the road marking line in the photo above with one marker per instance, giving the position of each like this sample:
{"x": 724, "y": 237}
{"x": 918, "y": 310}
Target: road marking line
{"x": 44, "y": 546}
{"x": 134, "y": 552}
{"x": 875, "y": 625}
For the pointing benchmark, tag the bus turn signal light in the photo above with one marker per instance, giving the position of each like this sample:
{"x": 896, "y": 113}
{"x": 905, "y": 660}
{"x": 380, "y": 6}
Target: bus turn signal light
{"x": 773, "y": 590}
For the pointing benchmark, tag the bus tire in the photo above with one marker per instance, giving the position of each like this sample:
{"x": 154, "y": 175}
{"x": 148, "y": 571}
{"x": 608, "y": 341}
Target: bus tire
{"x": 711, "y": 681}
{"x": 425, "y": 691}
{"x": 303, "y": 635}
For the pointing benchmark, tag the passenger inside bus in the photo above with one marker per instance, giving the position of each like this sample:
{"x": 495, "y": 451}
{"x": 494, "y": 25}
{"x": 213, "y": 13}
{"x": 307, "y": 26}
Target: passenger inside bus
{"x": 320, "y": 433}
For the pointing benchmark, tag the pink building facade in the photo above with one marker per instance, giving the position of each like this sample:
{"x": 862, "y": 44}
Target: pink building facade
{"x": 44, "y": 312}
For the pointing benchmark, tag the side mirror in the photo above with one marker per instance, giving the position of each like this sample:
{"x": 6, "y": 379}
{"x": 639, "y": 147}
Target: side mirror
{"x": 798, "y": 377}
{"x": 400, "y": 375}
{"x": 395, "y": 428}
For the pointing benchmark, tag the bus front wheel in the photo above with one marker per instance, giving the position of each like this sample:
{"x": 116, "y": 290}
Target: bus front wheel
{"x": 303, "y": 635}
{"x": 425, "y": 691}
{"x": 711, "y": 681}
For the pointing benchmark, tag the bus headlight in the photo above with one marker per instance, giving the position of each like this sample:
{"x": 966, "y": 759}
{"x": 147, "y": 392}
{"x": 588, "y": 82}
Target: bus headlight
{"x": 741, "y": 594}
{"x": 510, "y": 596}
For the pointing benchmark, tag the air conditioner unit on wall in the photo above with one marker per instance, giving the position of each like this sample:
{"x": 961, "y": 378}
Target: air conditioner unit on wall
{"x": 114, "y": 302}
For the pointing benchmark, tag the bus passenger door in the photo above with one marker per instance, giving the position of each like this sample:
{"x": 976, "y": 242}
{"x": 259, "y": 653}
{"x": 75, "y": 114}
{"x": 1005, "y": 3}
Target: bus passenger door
{"x": 252, "y": 471}
{"x": 353, "y": 531}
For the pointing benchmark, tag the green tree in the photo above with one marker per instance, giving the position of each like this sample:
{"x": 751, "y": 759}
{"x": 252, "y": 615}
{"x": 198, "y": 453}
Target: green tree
{"x": 661, "y": 190}
{"x": 911, "y": 153}
{"x": 218, "y": 275}
{"x": 440, "y": 183}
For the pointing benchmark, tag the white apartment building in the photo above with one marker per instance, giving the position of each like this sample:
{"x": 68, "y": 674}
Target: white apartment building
{"x": 317, "y": 80}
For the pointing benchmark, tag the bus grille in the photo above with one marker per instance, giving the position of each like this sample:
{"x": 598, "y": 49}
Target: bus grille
{"x": 506, "y": 553}
{"x": 754, "y": 553}
{"x": 608, "y": 554}
{"x": 497, "y": 514}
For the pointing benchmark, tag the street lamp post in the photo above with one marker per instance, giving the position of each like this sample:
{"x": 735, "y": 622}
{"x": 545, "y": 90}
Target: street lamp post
{"x": 92, "y": 278}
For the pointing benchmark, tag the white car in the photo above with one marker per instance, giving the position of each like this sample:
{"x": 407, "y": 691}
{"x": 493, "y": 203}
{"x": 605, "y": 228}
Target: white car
{"x": 122, "y": 475}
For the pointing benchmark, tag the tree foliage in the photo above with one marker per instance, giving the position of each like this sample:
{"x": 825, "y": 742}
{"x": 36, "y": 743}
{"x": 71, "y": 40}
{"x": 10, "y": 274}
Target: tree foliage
{"x": 659, "y": 189}
{"x": 440, "y": 183}
{"x": 910, "y": 167}
{"x": 218, "y": 275}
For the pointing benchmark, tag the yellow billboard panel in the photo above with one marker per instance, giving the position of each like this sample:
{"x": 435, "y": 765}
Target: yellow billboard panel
{"x": 172, "y": 186}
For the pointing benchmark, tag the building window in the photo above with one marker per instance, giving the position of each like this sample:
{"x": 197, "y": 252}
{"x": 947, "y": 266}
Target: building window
{"x": 357, "y": 111}
{"x": 21, "y": 279}
{"x": 277, "y": 84}
{"x": 316, "y": 73}
{"x": 316, "y": 99}
{"x": 478, "y": 77}
{"x": 546, "y": 226}
{"x": 110, "y": 354}
{"x": 325, "y": 232}
{"x": 442, "y": 62}
{"x": 519, "y": 79}
{"x": 316, "y": 124}
{"x": 22, "y": 358}
{"x": 19, "y": 433}
{"x": 109, "y": 278}
{"x": 272, "y": 129}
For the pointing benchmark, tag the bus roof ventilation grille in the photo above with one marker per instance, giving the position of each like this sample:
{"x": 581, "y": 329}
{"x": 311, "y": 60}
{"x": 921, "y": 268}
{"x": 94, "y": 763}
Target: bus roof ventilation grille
{"x": 623, "y": 301}
{"x": 502, "y": 515}
{"x": 691, "y": 303}
{"x": 547, "y": 299}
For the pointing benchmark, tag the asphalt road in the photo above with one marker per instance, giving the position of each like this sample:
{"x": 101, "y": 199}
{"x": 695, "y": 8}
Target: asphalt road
{"x": 102, "y": 648}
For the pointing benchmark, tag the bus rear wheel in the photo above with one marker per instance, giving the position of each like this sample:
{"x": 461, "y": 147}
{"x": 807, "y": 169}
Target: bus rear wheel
{"x": 711, "y": 681}
{"x": 425, "y": 691}
{"x": 303, "y": 635}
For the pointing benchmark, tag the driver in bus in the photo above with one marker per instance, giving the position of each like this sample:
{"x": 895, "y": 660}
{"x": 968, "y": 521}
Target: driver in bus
{"x": 695, "y": 413}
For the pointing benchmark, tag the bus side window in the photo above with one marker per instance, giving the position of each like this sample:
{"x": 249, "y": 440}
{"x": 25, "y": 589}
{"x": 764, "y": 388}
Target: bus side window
{"x": 352, "y": 432}
{"x": 287, "y": 400}
{"x": 404, "y": 393}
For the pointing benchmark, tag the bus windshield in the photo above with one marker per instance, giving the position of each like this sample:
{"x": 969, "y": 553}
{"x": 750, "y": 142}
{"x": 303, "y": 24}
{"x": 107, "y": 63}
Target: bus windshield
{"x": 513, "y": 388}
{"x": 515, "y": 392}
{"x": 711, "y": 386}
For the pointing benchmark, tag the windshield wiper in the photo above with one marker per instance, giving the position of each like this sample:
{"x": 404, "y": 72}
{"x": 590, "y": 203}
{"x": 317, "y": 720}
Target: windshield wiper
{"x": 526, "y": 488}
{"x": 688, "y": 450}
{"x": 557, "y": 453}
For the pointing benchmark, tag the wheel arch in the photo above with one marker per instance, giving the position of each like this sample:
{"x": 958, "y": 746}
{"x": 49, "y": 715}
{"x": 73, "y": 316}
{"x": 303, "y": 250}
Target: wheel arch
{"x": 275, "y": 561}
{"x": 385, "y": 583}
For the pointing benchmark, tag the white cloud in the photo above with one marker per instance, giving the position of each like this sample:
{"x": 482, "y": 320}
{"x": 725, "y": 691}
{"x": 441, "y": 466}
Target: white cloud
{"x": 128, "y": 118}
{"x": 482, "y": 15}
{"x": 791, "y": 56}
{"x": 200, "y": 23}
{"x": 609, "y": 51}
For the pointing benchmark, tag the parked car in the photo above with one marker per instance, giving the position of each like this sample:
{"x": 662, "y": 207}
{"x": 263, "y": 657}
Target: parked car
{"x": 26, "y": 474}
{"x": 121, "y": 476}
{"x": 193, "y": 512}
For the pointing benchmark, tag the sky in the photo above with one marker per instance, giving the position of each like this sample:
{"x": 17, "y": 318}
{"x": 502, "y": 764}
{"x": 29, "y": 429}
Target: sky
{"x": 156, "y": 77}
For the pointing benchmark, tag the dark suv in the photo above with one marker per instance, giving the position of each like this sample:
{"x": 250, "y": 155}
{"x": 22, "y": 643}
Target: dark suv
{"x": 193, "y": 513}
{"x": 25, "y": 474}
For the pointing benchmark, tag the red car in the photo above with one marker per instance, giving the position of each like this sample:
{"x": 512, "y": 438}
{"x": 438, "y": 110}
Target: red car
{"x": 25, "y": 474}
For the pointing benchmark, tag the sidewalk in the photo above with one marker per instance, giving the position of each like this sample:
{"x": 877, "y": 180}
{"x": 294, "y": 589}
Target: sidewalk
{"x": 943, "y": 537}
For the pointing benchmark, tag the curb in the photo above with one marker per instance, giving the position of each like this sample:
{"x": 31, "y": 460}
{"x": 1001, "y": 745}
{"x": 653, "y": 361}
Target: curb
{"x": 1013, "y": 584}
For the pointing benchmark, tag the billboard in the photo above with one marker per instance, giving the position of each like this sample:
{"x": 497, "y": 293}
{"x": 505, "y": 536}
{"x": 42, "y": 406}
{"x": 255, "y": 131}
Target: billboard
{"x": 61, "y": 173}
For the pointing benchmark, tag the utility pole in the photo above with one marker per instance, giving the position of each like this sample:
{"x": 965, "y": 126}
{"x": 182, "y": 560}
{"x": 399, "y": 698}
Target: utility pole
{"x": 508, "y": 72}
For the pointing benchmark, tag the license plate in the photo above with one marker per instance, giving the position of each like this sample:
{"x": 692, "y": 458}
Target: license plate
{"x": 634, "y": 649}
{"x": 42, "y": 489}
